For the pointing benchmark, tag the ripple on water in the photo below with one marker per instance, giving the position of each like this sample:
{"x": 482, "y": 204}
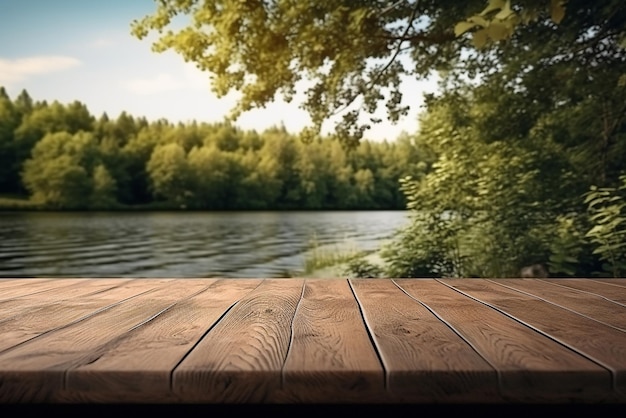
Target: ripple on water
{"x": 256, "y": 244}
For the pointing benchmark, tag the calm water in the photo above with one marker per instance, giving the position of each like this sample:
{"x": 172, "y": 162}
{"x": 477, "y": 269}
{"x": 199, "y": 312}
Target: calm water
{"x": 180, "y": 244}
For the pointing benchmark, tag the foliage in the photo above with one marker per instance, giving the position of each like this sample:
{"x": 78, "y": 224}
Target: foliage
{"x": 320, "y": 256}
{"x": 607, "y": 209}
{"x": 498, "y": 20}
{"x": 567, "y": 246}
{"x": 483, "y": 206}
{"x": 9, "y": 120}
{"x": 103, "y": 190}
{"x": 530, "y": 113}
{"x": 58, "y": 174}
{"x": 348, "y": 58}
{"x": 104, "y": 163}
{"x": 168, "y": 171}
{"x": 359, "y": 267}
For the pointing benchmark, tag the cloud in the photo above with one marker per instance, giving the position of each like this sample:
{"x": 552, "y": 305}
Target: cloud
{"x": 15, "y": 70}
{"x": 160, "y": 83}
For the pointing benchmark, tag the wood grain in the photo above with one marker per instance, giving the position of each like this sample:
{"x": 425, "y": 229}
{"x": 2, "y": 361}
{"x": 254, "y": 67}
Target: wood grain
{"x": 423, "y": 357}
{"x": 601, "y": 343}
{"x": 225, "y": 341}
{"x": 530, "y": 365}
{"x": 608, "y": 280}
{"x": 141, "y": 361}
{"x": 242, "y": 356}
{"x": 590, "y": 305}
{"x": 608, "y": 288}
{"x": 40, "y": 317}
{"x": 25, "y": 287}
{"x": 40, "y": 364}
{"x": 8, "y": 283}
{"x": 331, "y": 356}
{"x": 27, "y": 304}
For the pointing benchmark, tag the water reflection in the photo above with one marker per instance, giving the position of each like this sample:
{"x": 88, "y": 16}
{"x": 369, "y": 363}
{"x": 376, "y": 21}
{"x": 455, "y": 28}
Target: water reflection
{"x": 180, "y": 244}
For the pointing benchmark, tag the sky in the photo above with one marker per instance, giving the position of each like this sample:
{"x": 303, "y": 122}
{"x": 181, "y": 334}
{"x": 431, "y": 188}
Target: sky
{"x": 83, "y": 50}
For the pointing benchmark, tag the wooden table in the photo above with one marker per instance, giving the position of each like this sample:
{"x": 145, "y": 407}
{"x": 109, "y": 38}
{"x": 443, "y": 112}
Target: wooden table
{"x": 240, "y": 341}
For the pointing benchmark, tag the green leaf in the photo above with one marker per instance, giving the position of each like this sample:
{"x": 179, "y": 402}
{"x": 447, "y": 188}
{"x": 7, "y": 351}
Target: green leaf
{"x": 480, "y": 38}
{"x": 557, "y": 11}
{"x": 479, "y": 21}
{"x": 462, "y": 27}
{"x": 506, "y": 11}
{"x": 498, "y": 31}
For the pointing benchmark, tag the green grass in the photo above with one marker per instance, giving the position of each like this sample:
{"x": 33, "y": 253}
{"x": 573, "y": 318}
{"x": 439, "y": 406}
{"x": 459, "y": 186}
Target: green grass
{"x": 322, "y": 257}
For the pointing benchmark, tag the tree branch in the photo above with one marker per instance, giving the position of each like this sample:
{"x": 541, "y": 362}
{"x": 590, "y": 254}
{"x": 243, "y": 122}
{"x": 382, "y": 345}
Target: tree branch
{"x": 390, "y": 8}
{"x": 391, "y": 60}
{"x": 438, "y": 38}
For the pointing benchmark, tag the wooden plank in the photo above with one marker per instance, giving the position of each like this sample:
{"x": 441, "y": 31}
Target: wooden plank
{"x": 20, "y": 305}
{"x": 613, "y": 290}
{"x": 331, "y": 357}
{"x": 7, "y": 283}
{"x": 531, "y": 366}
{"x": 613, "y": 281}
{"x": 139, "y": 364}
{"x": 241, "y": 358}
{"x": 588, "y": 304}
{"x": 35, "y": 371}
{"x": 19, "y": 326}
{"x": 604, "y": 344}
{"x": 315, "y": 340}
{"x": 25, "y": 288}
{"x": 424, "y": 359}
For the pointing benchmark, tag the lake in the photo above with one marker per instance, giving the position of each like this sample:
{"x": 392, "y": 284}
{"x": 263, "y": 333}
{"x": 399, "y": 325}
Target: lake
{"x": 182, "y": 244}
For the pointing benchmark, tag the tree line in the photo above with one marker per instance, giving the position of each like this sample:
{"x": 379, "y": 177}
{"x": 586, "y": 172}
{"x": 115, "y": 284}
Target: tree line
{"x": 63, "y": 157}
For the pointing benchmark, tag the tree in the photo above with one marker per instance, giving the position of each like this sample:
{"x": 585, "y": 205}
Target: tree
{"x": 260, "y": 186}
{"x": 103, "y": 190}
{"x": 47, "y": 119}
{"x": 9, "y": 120}
{"x": 486, "y": 207}
{"x": 24, "y": 103}
{"x": 364, "y": 185}
{"x": 209, "y": 173}
{"x": 353, "y": 55}
{"x": 58, "y": 174}
{"x": 135, "y": 155}
{"x": 283, "y": 147}
{"x": 169, "y": 173}
{"x": 312, "y": 168}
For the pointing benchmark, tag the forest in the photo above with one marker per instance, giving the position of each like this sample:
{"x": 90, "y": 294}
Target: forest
{"x": 60, "y": 156}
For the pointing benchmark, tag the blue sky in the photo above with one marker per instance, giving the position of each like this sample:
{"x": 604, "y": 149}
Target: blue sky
{"x": 82, "y": 50}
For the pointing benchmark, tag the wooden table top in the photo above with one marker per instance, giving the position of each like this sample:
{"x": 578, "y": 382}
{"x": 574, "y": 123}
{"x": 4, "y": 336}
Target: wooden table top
{"x": 312, "y": 340}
